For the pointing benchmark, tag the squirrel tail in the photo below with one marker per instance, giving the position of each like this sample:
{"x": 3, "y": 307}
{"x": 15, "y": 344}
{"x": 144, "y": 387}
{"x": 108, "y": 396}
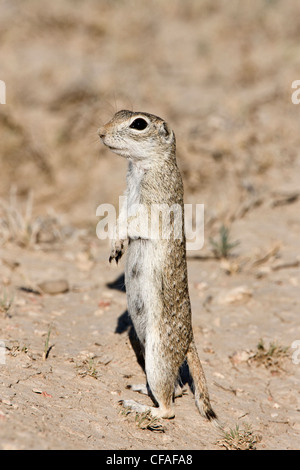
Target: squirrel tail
{"x": 200, "y": 387}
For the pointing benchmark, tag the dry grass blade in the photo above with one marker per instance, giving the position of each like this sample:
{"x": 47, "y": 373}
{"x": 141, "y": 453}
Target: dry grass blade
{"x": 47, "y": 348}
{"x": 15, "y": 225}
{"x": 6, "y": 302}
{"x": 20, "y": 226}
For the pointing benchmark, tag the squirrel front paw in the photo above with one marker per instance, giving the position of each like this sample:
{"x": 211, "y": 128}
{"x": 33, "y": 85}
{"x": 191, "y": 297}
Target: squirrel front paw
{"x": 117, "y": 251}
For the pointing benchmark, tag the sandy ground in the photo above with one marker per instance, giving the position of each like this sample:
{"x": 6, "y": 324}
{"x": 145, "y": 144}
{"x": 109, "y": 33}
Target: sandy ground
{"x": 221, "y": 76}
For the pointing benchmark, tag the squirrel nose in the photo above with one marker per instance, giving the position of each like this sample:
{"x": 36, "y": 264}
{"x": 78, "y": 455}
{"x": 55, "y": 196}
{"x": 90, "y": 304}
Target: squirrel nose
{"x": 101, "y": 132}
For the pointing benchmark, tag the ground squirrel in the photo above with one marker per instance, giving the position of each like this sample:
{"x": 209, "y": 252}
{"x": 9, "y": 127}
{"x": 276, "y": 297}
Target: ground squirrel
{"x": 156, "y": 270}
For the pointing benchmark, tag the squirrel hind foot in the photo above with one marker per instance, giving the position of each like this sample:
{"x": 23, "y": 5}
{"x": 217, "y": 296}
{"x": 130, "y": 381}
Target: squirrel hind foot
{"x": 165, "y": 413}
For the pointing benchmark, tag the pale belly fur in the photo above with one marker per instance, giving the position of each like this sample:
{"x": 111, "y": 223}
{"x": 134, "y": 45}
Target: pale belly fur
{"x": 143, "y": 286}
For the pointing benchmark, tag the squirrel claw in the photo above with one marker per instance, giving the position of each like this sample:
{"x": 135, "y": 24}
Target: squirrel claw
{"x": 117, "y": 253}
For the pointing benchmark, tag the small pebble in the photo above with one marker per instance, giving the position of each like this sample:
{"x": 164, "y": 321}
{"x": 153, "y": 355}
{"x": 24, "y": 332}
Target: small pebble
{"x": 54, "y": 287}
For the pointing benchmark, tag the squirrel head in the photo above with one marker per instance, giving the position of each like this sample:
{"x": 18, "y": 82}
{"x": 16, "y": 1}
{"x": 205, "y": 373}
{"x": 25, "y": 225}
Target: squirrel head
{"x": 141, "y": 137}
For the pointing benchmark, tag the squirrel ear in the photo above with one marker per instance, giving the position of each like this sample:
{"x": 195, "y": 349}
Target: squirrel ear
{"x": 166, "y": 132}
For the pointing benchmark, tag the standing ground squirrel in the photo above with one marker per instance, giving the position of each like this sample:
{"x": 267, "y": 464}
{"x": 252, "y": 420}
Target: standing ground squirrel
{"x": 156, "y": 270}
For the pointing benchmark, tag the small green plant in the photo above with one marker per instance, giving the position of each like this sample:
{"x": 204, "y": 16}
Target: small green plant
{"x": 15, "y": 349}
{"x": 88, "y": 368}
{"x": 239, "y": 439}
{"x": 222, "y": 247}
{"x": 271, "y": 356}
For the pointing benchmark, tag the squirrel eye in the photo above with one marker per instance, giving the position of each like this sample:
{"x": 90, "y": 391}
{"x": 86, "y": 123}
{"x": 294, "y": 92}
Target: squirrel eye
{"x": 139, "y": 124}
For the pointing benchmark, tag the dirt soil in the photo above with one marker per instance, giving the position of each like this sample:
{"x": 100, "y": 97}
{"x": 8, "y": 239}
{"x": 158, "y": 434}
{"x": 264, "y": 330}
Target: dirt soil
{"x": 221, "y": 75}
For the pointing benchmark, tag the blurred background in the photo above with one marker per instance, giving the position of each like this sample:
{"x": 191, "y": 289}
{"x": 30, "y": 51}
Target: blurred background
{"x": 219, "y": 72}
